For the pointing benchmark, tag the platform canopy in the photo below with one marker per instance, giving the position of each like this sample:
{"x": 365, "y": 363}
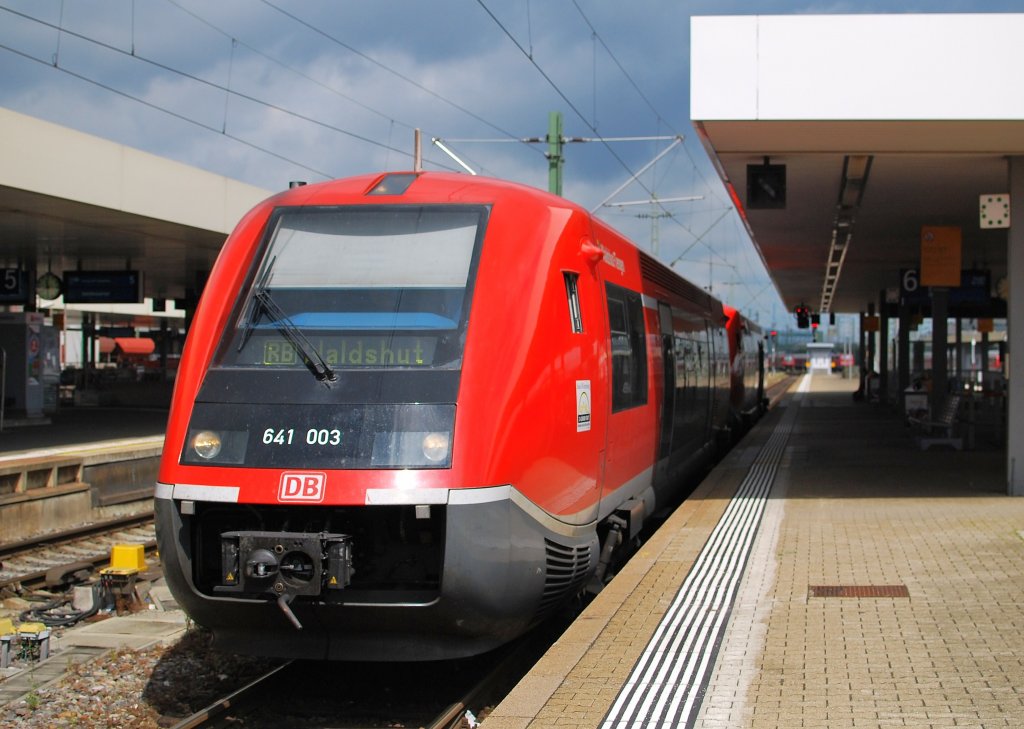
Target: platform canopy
{"x": 70, "y": 200}
{"x": 882, "y": 123}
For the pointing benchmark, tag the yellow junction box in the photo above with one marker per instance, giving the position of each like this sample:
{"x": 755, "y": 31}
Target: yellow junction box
{"x": 6, "y": 626}
{"x": 31, "y": 628}
{"x": 127, "y": 558}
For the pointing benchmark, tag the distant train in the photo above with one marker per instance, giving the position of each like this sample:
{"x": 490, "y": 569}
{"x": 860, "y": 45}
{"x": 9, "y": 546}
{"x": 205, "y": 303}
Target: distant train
{"x": 800, "y": 363}
{"x": 419, "y": 411}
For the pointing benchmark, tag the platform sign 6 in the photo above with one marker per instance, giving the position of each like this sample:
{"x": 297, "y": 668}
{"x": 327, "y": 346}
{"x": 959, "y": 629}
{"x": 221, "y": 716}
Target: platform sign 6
{"x": 974, "y": 289}
{"x": 912, "y": 293}
{"x": 13, "y": 286}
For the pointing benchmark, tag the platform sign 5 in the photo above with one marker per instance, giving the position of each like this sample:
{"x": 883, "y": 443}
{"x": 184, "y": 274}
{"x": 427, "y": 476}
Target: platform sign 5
{"x": 13, "y": 286}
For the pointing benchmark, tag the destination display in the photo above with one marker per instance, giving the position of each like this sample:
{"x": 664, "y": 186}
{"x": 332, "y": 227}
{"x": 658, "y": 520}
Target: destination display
{"x": 102, "y": 287}
{"x": 343, "y": 351}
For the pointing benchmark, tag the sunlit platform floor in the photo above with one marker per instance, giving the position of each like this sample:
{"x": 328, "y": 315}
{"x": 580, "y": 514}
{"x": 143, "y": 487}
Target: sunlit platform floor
{"x": 881, "y": 585}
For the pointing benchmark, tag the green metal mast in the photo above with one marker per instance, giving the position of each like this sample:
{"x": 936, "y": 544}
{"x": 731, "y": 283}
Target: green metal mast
{"x": 554, "y": 154}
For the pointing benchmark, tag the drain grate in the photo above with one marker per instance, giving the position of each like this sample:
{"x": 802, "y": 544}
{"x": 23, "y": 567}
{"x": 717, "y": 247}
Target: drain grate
{"x": 858, "y": 591}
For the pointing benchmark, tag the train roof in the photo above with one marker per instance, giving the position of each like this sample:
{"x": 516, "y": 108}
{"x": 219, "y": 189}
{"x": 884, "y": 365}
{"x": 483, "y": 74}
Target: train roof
{"x": 417, "y": 187}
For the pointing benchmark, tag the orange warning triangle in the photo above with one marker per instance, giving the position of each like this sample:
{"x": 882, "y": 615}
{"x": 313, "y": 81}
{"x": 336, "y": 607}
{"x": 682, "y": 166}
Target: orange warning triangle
{"x": 334, "y": 580}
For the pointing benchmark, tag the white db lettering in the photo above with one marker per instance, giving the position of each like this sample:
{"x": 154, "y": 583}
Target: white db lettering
{"x": 302, "y": 486}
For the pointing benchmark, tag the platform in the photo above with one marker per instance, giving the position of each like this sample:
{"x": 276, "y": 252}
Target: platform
{"x": 86, "y": 465}
{"x": 84, "y": 427}
{"x": 835, "y": 499}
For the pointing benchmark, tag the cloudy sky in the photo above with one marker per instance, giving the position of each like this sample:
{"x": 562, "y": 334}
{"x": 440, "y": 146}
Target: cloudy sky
{"x": 268, "y": 91}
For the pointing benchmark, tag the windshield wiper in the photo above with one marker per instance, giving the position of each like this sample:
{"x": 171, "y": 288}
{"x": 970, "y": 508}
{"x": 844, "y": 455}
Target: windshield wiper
{"x": 264, "y": 302}
{"x": 320, "y": 369}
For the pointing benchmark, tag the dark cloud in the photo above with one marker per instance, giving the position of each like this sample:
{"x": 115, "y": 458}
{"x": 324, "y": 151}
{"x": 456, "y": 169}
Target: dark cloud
{"x": 268, "y": 91}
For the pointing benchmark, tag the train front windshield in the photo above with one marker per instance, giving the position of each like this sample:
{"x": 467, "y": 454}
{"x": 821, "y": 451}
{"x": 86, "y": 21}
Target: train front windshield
{"x": 359, "y": 287}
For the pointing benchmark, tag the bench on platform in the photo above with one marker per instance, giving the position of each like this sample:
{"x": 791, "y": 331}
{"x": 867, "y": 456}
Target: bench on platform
{"x": 941, "y": 430}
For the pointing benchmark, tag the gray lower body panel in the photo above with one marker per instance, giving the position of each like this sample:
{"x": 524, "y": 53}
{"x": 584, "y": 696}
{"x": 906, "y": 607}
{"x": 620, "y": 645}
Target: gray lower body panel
{"x": 502, "y": 571}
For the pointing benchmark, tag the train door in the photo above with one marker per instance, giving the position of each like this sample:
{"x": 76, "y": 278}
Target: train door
{"x": 760, "y": 372}
{"x": 587, "y": 322}
{"x": 668, "y": 397}
{"x": 718, "y": 379}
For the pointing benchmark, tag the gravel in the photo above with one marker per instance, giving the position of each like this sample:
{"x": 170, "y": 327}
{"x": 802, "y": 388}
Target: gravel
{"x": 154, "y": 687}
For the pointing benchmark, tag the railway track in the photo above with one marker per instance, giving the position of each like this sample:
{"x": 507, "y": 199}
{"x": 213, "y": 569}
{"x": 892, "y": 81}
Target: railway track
{"x": 374, "y": 695}
{"x": 47, "y": 558}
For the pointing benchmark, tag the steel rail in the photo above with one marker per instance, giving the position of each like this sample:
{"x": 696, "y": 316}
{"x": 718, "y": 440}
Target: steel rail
{"x": 52, "y": 539}
{"x": 232, "y": 700}
{"x": 56, "y": 541}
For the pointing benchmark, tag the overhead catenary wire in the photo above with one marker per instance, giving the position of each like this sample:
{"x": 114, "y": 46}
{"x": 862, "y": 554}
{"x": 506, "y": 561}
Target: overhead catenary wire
{"x": 385, "y": 67}
{"x": 305, "y": 76}
{"x": 650, "y": 105}
{"x": 223, "y": 128}
{"x": 204, "y": 82}
{"x": 622, "y": 68}
{"x": 586, "y": 122}
{"x": 556, "y": 89}
{"x": 169, "y": 112}
{"x": 298, "y": 72}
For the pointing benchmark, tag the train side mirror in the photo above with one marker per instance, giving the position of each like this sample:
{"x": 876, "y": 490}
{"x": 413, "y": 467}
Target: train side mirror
{"x": 590, "y": 251}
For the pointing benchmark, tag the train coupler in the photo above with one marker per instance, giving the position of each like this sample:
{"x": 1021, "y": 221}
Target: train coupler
{"x": 285, "y": 564}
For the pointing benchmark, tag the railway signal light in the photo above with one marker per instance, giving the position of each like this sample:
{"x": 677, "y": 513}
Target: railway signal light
{"x": 802, "y": 316}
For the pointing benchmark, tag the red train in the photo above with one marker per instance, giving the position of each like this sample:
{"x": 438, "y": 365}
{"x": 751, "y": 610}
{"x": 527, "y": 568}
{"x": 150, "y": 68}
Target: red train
{"x": 746, "y": 348}
{"x": 418, "y": 411}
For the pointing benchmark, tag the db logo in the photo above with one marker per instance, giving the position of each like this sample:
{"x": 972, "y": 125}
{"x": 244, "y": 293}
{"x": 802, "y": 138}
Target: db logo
{"x": 302, "y": 486}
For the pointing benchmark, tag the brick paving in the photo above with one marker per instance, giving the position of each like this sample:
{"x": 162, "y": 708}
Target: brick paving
{"x": 854, "y": 503}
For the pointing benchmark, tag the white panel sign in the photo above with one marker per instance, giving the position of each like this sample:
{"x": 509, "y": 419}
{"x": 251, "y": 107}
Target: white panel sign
{"x": 994, "y": 211}
{"x": 582, "y": 405}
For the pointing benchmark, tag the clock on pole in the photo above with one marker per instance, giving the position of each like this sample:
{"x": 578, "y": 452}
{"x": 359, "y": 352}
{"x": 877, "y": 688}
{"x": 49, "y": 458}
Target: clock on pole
{"x": 48, "y": 286}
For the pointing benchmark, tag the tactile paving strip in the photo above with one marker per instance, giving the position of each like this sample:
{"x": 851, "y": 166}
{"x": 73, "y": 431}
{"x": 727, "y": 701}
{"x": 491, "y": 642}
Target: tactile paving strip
{"x": 668, "y": 681}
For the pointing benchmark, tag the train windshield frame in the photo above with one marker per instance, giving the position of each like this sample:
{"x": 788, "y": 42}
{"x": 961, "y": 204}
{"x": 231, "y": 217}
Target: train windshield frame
{"x": 357, "y": 287}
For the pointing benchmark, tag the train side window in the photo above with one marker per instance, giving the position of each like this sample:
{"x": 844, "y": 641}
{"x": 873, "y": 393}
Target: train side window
{"x": 629, "y": 353}
{"x": 573, "y": 295}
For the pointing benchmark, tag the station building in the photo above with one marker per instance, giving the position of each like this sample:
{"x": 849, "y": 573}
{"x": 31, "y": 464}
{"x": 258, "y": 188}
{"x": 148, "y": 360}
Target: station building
{"x": 878, "y": 162}
{"x": 98, "y": 242}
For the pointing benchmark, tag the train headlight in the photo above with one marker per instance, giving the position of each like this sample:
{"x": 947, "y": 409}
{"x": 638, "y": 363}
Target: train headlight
{"x": 435, "y": 447}
{"x": 205, "y": 447}
{"x": 206, "y": 444}
{"x": 412, "y": 449}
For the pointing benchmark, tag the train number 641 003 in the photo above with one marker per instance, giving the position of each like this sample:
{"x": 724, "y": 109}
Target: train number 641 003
{"x": 314, "y": 436}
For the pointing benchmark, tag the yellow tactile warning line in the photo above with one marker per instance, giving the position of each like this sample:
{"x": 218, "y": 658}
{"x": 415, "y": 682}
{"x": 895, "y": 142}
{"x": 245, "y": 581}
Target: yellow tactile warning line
{"x": 667, "y": 683}
{"x": 575, "y": 683}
